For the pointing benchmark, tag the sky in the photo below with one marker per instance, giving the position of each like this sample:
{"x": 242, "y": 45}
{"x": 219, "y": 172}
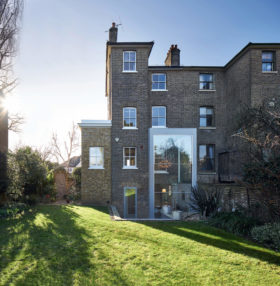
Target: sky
{"x": 60, "y": 64}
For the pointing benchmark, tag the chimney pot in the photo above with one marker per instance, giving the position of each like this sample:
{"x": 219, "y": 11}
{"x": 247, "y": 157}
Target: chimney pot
{"x": 113, "y": 33}
{"x": 173, "y": 56}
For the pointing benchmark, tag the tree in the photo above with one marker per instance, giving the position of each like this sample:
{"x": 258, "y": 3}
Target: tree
{"x": 10, "y": 11}
{"x": 259, "y": 128}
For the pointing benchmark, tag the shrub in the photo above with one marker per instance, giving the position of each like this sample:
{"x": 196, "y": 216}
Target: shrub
{"x": 235, "y": 222}
{"x": 206, "y": 202}
{"x": 268, "y": 234}
{"x": 12, "y": 209}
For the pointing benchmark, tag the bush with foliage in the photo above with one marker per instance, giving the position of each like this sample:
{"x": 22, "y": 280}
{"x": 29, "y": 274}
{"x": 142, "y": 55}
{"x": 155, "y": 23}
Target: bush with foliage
{"x": 12, "y": 210}
{"x": 234, "y": 222}
{"x": 205, "y": 201}
{"x": 268, "y": 234}
{"x": 28, "y": 176}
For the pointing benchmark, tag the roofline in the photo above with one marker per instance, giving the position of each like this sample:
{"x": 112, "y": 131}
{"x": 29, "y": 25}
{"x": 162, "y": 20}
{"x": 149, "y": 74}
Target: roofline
{"x": 130, "y": 43}
{"x": 244, "y": 50}
{"x": 185, "y": 67}
{"x": 95, "y": 123}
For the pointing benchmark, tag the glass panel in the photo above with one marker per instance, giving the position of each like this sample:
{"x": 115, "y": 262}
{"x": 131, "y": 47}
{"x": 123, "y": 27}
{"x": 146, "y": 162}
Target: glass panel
{"x": 154, "y": 121}
{"x": 132, "y": 56}
{"x": 126, "y": 112}
{"x": 132, "y": 123}
{"x": 99, "y": 161}
{"x": 173, "y": 173}
{"x": 126, "y": 123}
{"x": 132, "y": 66}
{"x": 202, "y": 122}
{"x": 161, "y": 111}
{"x": 99, "y": 151}
{"x": 154, "y": 85}
{"x": 127, "y": 161}
{"x": 209, "y": 111}
{"x": 161, "y": 77}
{"x": 132, "y": 151}
{"x": 132, "y": 112}
{"x": 126, "y": 151}
{"x": 130, "y": 207}
{"x": 132, "y": 161}
{"x": 154, "y": 112}
{"x": 155, "y": 77}
{"x": 206, "y": 77}
{"x": 202, "y": 152}
{"x": 161, "y": 121}
{"x": 126, "y": 56}
{"x": 161, "y": 85}
{"x": 126, "y": 66}
{"x": 209, "y": 120}
{"x": 267, "y": 56}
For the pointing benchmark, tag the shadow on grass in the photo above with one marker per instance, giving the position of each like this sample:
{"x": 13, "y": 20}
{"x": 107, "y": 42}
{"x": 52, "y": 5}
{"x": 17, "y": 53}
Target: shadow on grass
{"x": 44, "y": 243}
{"x": 200, "y": 233}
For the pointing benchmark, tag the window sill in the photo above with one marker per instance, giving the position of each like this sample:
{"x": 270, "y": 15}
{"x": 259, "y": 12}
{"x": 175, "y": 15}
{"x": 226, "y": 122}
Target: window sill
{"x": 96, "y": 168}
{"x": 130, "y": 168}
{"x": 207, "y": 90}
{"x": 159, "y": 127}
{"x": 161, "y": 172}
{"x": 207, "y": 127}
{"x": 130, "y": 128}
{"x": 130, "y": 71}
{"x": 207, "y": 173}
{"x": 270, "y": 72}
{"x": 159, "y": 89}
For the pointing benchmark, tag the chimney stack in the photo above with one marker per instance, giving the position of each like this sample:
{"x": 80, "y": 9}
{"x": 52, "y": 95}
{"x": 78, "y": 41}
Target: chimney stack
{"x": 113, "y": 33}
{"x": 173, "y": 57}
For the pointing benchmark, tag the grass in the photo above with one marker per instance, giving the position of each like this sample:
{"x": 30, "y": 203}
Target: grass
{"x": 73, "y": 245}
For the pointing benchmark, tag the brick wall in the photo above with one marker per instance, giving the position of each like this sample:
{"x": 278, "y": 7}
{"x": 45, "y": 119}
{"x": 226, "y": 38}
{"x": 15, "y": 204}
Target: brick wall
{"x": 96, "y": 183}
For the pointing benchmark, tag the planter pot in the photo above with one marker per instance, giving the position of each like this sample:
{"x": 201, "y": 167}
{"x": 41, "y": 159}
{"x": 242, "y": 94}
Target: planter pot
{"x": 166, "y": 209}
{"x": 177, "y": 215}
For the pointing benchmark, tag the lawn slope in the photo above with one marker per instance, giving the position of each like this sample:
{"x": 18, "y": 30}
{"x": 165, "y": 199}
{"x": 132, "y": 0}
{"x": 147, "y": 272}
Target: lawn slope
{"x": 73, "y": 245}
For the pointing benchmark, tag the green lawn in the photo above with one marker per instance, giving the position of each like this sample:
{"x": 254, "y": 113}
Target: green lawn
{"x": 72, "y": 245}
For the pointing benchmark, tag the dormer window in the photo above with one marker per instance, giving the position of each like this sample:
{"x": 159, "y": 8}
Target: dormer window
{"x": 129, "y": 61}
{"x": 268, "y": 61}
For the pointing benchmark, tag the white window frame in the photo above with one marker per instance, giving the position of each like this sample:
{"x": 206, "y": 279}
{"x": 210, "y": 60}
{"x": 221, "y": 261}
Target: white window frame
{"x": 211, "y": 82}
{"x": 158, "y": 89}
{"x": 129, "y": 61}
{"x": 161, "y": 126}
{"x": 130, "y": 127}
{"x": 90, "y": 156}
{"x": 129, "y": 167}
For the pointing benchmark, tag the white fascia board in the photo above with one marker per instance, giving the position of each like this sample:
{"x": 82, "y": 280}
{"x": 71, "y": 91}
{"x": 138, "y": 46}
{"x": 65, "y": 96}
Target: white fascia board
{"x": 95, "y": 123}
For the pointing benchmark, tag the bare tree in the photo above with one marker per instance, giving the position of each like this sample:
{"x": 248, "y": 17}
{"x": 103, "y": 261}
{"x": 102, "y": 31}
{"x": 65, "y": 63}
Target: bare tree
{"x": 10, "y": 11}
{"x": 15, "y": 122}
{"x": 63, "y": 151}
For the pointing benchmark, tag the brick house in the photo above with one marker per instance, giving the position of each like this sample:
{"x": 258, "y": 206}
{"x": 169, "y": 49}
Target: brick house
{"x": 169, "y": 126}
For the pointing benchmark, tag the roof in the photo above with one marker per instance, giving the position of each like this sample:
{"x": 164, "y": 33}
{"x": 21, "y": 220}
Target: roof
{"x": 73, "y": 162}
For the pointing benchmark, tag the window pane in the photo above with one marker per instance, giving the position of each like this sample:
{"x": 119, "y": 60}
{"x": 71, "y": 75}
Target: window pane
{"x": 161, "y": 111}
{"x": 132, "y": 161}
{"x": 202, "y": 122}
{"x": 126, "y": 56}
{"x": 202, "y": 152}
{"x": 132, "y": 151}
{"x": 161, "y": 122}
{"x": 132, "y": 66}
{"x": 209, "y": 120}
{"x": 154, "y": 121}
{"x": 267, "y": 56}
{"x": 132, "y": 123}
{"x": 126, "y": 112}
{"x": 127, "y": 161}
{"x": 155, "y": 78}
{"x": 211, "y": 151}
{"x": 155, "y": 112}
{"x": 202, "y": 110}
{"x": 209, "y": 111}
{"x": 99, "y": 151}
{"x": 132, "y": 56}
{"x": 161, "y": 77}
{"x": 206, "y": 77}
{"x": 161, "y": 85}
{"x": 154, "y": 85}
{"x": 126, "y": 151}
{"x": 99, "y": 161}
{"x": 132, "y": 113}
{"x": 126, "y": 66}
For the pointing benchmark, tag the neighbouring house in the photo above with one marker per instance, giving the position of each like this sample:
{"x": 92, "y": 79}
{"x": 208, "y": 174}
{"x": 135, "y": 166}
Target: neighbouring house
{"x": 63, "y": 181}
{"x": 169, "y": 126}
{"x": 74, "y": 162}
